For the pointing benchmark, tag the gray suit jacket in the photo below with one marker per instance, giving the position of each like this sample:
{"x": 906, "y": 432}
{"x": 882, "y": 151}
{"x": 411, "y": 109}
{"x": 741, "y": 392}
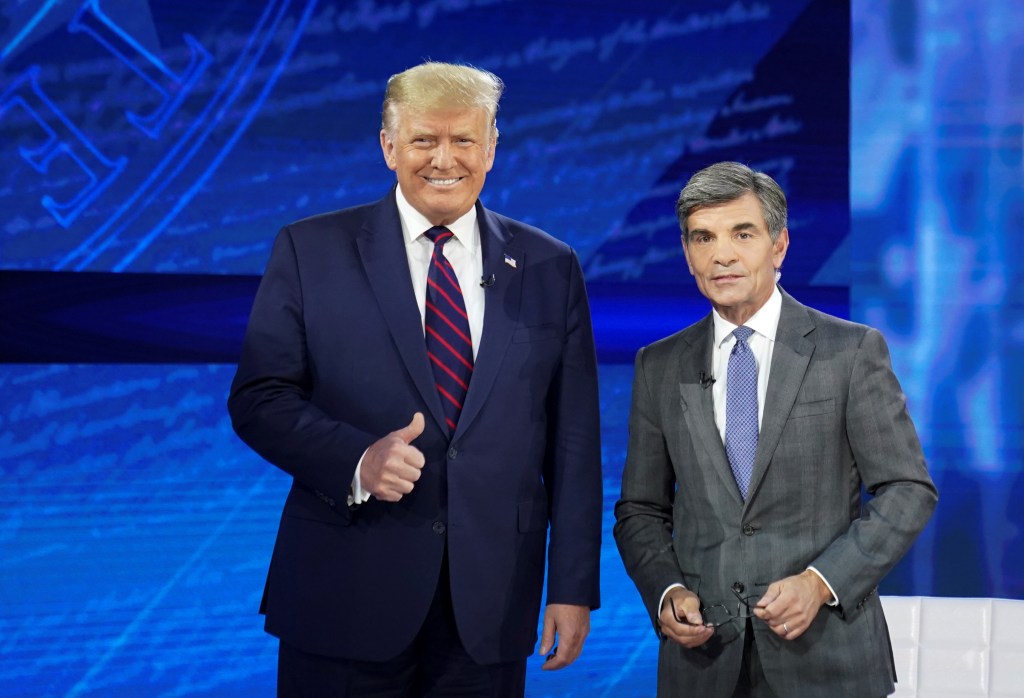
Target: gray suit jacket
{"x": 835, "y": 420}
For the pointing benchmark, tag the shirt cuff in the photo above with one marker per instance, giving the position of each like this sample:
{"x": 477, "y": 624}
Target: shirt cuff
{"x": 670, "y": 587}
{"x": 835, "y": 599}
{"x": 358, "y": 495}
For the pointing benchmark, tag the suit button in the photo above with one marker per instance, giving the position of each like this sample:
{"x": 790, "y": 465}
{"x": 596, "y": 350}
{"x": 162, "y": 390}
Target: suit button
{"x": 748, "y": 530}
{"x": 439, "y": 527}
{"x": 738, "y": 587}
{"x": 453, "y": 452}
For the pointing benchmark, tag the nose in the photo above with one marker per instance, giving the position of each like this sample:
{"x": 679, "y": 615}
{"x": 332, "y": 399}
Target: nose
{"x": 442, "y": 157}
{"x": 725, "y": 252}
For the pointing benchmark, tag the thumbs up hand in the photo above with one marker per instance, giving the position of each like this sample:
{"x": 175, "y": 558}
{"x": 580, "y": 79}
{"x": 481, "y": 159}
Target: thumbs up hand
{"x": 392, "y": 465}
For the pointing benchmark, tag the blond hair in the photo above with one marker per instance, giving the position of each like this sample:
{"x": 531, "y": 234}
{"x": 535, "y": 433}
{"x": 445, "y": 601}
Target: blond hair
{"x": 434, "y": 85}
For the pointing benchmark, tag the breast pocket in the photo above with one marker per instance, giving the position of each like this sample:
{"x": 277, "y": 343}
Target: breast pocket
{"x": 814, "y": 407}
{"x": 536, "y": 333}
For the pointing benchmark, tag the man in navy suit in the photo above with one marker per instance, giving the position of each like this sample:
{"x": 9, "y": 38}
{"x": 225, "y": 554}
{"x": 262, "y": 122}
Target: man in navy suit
{"x": 411, "y": 552}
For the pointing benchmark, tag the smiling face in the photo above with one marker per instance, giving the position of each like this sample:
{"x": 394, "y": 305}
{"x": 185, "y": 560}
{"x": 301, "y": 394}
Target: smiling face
{"x": 442, "y": 158}
{"x": 732, "y": 257}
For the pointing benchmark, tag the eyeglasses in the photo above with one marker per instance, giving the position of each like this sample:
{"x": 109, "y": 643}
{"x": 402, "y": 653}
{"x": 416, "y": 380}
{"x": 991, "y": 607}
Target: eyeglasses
{"x": 721, "y": 617}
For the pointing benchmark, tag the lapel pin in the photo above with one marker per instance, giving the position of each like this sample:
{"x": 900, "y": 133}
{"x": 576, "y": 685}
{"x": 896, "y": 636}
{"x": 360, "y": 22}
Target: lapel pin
{"x": 510, "y": 261}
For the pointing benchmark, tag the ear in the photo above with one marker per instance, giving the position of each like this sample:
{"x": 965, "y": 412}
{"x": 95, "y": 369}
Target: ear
{"x": 387, "y": 146}
{"x": 490, "y": 151}
{"x": 779, "y": 248}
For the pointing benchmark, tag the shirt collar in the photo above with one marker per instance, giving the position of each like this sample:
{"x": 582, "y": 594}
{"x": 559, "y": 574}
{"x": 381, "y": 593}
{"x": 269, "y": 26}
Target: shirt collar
{"x": 764, "y": 322}
{"x": 414, "y": 223}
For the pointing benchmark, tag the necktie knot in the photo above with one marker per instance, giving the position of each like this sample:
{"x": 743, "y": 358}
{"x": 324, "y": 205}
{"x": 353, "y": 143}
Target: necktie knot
{"x": 439, "y": 235}
{"x": 742, "y": 333}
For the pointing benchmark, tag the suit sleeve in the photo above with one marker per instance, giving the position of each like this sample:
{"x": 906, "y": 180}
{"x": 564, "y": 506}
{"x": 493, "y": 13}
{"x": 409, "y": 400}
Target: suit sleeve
{"x": 891, "y": 465}
{"x": 270, "y": 399}
{"x": 572, "y": 472}
{"x": 643, "y": 515}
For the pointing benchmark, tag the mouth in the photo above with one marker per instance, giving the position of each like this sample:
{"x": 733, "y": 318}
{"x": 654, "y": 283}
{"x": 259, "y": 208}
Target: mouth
{"x": 442, "y": 182}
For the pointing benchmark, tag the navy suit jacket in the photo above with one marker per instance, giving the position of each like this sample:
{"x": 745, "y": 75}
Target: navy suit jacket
{"x": 334, "y": 358}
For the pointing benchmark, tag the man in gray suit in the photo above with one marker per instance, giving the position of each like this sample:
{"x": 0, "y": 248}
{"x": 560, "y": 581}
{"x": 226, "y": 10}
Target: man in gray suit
{"x": 751, "y": 434}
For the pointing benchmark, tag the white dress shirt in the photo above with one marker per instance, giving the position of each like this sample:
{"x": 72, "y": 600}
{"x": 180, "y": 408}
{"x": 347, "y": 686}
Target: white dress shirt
{"x": 463, "y": 253}
{"x": 764, "y": 323}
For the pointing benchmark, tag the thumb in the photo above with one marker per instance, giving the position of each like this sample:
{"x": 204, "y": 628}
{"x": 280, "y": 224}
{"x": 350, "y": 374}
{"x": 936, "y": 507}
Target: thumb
{"x": 547, "y": 637}
{"x": 770, "y": 595}
{"x": 412, "y": 430}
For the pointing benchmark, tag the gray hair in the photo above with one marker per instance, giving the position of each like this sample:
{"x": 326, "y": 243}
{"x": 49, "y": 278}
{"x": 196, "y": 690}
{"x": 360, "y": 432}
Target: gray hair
{"x": 433, "y": 85}
{"x": 727, "y": 181}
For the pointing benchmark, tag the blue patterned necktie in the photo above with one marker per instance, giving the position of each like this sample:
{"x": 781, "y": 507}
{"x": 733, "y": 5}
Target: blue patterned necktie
{"x": 741, "y": 410}
{"x": 449, "y": 346}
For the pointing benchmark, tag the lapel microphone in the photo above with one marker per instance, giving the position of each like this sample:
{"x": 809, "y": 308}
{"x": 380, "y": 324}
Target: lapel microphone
{"x": 486, "y": 281}
{"x": 706, "y": 381}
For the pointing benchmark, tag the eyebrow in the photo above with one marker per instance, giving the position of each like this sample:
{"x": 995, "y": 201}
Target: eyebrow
{"x": 746, "y": 225}
{"x": 426, "y": 133}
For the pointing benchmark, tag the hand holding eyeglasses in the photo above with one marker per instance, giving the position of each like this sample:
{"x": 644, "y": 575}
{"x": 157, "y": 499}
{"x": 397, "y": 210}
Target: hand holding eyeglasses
{"x": 681, "y": 620}
{"x": 790, "y": 605}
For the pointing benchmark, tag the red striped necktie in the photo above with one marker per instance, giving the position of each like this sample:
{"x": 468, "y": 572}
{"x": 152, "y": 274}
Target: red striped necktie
{"x": 447, "y": 330}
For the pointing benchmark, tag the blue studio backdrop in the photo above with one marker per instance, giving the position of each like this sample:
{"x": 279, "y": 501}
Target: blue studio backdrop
{"x": 150, "y": 150}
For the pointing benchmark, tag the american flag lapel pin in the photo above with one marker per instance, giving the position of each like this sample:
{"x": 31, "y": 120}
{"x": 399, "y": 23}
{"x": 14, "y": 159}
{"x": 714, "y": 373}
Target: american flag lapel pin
{"x": 509, "y": 260}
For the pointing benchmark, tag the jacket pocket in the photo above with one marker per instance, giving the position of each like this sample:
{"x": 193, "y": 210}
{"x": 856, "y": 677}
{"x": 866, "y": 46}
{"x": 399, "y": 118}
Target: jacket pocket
{"x": 533, "y": 516}
{"x": 809, "y": 409}
{"x": 535, "y": 333}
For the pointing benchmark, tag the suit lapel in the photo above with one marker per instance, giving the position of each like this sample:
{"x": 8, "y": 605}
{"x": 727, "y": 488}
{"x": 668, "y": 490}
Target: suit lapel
{"x": 382, "y": 250}
{"x": 790, "y": 357}
{"x": 697, "y": 402}
{"x": 501, "y": 309}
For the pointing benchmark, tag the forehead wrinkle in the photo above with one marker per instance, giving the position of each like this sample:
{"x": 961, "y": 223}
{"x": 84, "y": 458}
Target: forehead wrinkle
{"x": 432, "y": 122}
{"x": 746, "y": 225}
